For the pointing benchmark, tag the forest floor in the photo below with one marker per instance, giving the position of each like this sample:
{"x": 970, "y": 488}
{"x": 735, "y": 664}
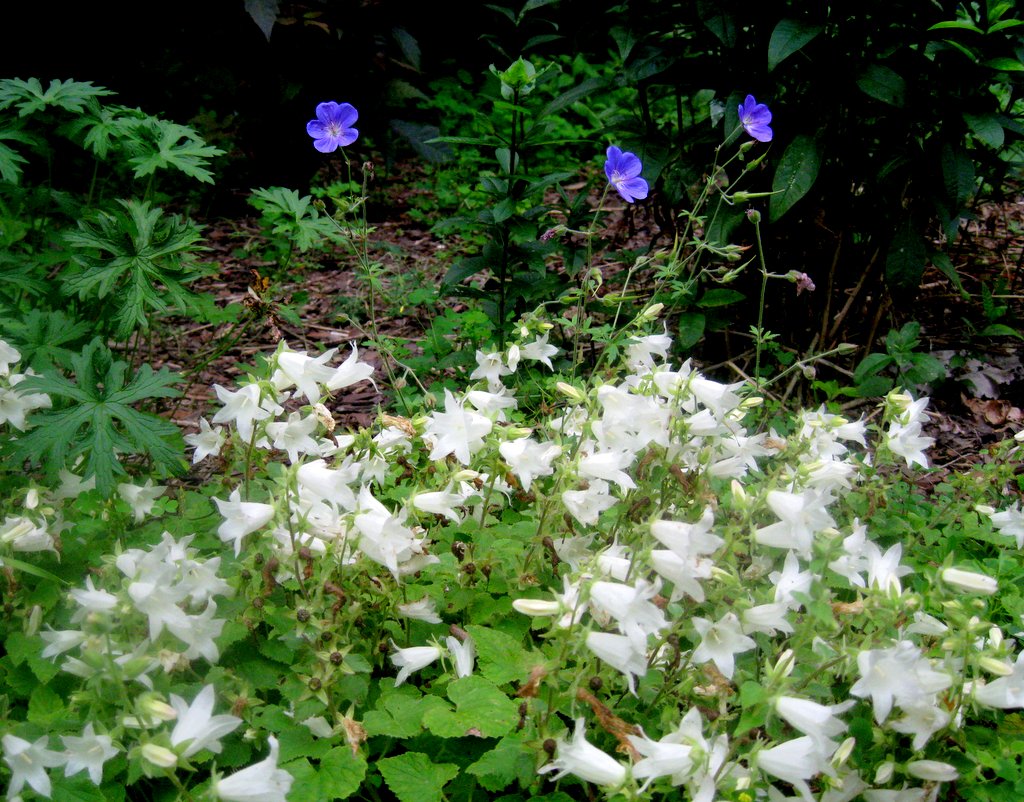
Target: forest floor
{"x": 329, "y": 299}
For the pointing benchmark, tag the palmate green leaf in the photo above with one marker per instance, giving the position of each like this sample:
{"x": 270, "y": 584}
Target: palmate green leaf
{"x": 11, "y": 160}
{"x": 136, "y": 255}
{"x": 42, "y": 337}
{"x": 413, "y": 777}
{"x": 28, "y": 97}
{"x": 510, "y": 760}
{"x": 480, "y": 710}
{"x": 292, "y": 216}
{"x": 92, "y": 417}
{"x": 160, "y": 145}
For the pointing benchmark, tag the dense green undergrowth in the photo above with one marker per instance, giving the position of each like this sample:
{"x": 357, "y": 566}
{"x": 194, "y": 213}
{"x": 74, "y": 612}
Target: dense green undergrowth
{"x": 562, "y": 563}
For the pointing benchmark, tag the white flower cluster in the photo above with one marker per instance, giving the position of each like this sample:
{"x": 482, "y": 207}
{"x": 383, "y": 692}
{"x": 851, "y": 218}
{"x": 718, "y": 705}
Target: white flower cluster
{"x": 16, "y": 404}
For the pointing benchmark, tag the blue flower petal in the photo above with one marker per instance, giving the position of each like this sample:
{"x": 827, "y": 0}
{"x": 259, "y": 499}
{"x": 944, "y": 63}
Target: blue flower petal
{"x": 348, "y": 136}
{"x": 346, "y": 115}
{"x": 326, "y": 112}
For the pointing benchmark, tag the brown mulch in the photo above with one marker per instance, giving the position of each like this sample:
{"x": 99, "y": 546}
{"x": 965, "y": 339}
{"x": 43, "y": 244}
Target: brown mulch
{"x": 329, "y": 297}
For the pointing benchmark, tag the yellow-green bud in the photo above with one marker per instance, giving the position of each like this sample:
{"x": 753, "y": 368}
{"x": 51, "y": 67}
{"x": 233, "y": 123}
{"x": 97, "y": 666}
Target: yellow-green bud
{"x": 159, "y": 756}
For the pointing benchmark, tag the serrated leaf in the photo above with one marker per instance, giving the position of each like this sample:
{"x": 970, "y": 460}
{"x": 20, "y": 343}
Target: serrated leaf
{"x": 795, "y": 175}
{"x": 20, "y": 647}
{"x": 883, "y": 83}
{"x": 510, "y": 760}
{"x": 78, "y": 789}
{"x": 92, "y": 417}
{"x": 29, "y": 97}
{"x": 44, "y": 706}
{"x": 480, "y": 709}
{"x": 341, "y": 773}
{"x": 501, "y": 657}
{"x": 162, "y": 145}
{"x": 789, "y": 36}
{"x": 412, "y": 777}
{"x": 399, "y": 712}
{"x": 136, "y": 256}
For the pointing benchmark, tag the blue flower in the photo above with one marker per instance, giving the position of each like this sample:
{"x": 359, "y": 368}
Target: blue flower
{"x": 623, "y": 171}
{"x": 332, "y": 128}
{"x": 754, "y": 117}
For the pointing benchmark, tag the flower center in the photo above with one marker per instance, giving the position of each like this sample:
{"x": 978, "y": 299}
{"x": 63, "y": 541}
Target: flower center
{"x": 334, "y": 130}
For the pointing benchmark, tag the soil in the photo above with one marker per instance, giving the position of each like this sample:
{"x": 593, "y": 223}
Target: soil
{"x": 328, "y": 298}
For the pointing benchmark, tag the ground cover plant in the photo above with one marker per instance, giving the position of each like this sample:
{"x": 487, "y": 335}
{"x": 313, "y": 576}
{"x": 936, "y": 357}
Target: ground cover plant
{"x": 563, "y": 561}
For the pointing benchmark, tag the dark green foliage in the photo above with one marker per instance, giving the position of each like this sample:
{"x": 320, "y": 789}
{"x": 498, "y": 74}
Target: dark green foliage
{"x": 131, "y": 258}
{"x": 93, "y": 418}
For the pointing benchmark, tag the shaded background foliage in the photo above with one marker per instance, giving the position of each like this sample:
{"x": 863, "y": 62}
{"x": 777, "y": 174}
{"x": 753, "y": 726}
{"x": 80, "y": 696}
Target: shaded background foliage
{"x": 889, "y": 128}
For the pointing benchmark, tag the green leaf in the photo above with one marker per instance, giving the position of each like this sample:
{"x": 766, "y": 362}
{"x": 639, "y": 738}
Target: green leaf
{"x": 480, "y": 709}
{"x": 906, "y": 259}
{"x": 956, "y": 24}
{"x": 92, "y": 417}
{"x": 28, "y": 96}
{"x": 41, "y": 337}
{"x": 136, "y": 256}
{"x": 945, "y": 265}
{"x": 958, "y": 175}
{"x": 341, "y": 773}
{"x": 795, "y": 175}
{"x": 719, "y": 296}
{"x": 501, "y": 657}
{"x": 162, "y": 145}
{"x": 79, "y": 789}
{"x": 987, "y": 128}
{"x": 871, "y": 365}
{"x": 998, "y": 330}
{"x": 690, "y": 329}
{"x": 788, "y": 37}
{"x": 1005, "y": 64}
{"x": 400, "y": 712}
{"x": 263, "y": 13}
{"x": 883, "y": 83}
{"x": 10, "y": 160}
{"x": 510, "y": 760}
{"x": 412, "y": 777}
{"x": 20, "y": 646}
{"x": 45, "y": 706}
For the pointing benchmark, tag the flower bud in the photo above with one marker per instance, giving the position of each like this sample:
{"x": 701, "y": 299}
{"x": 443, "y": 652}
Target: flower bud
{"x": 536, "y": 607}
{"x": 31, "y": 499}
{"x": 751, "y": 402}
{"x": 754, "y": 216}
{"x": 159, "y": 756}
{"x": 650, "y": 313}
{"x": 993, "y": 666}
{"x": 970, "y": 581}
{"x": 570, "y": 392}
{"x": 157, "y": 708}
{"x": 784, "y": 665}
{"x": 984, "y": 509}
{"x": 842, "y": 754}
{"x": 932, "y": 770}
{"x": 847, "y": 348}
{"x": 884, "y": 772}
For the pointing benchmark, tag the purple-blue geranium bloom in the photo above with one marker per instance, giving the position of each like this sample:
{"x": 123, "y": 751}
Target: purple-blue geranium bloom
{"x": 332, "y": 128}
{"x": 623, "y": 171}
{"x": 754, "y": 117}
